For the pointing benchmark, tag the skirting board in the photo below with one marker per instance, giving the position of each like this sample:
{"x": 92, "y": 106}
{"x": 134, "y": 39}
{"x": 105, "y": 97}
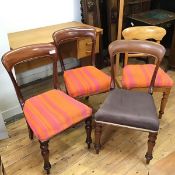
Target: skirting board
{"x": 11, "y": 112}
{"x": 44, "y": 71}
{"x": 32, "y": 75}
{"x": 3, "y": 130}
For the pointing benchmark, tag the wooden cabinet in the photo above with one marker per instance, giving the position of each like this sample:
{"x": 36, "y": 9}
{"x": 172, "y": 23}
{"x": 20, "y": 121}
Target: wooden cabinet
{"x": 171, "y": 58}
{"x": 104, "y": 14}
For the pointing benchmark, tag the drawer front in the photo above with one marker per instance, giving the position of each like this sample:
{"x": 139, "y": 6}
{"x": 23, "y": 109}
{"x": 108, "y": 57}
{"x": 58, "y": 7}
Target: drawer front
{"x": 84, "y": 47}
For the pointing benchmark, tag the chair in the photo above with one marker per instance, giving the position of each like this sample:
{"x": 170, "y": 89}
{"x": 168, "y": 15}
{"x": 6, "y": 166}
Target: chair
{"x": 131, "y": 109}
{"x": 130, "y": 78}
{"x": 86, "y": 80}
{"x": 51, "y": 112}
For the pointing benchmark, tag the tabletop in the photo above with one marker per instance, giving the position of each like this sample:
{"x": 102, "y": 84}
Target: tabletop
{"x": 40, "y": 35}
{"x": 154, "y": 17}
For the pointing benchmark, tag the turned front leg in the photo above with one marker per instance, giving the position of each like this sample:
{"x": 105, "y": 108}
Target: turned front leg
{"x": 88, "y": 128}
{"x": 98, "y": 130}
{"x": 151, "y": 143}
{"x": 45, "y": 154}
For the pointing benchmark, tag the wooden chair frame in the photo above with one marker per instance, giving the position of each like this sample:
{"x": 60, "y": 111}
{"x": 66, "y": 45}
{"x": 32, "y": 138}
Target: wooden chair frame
{"x": 122, "y": 46}
{"x": 29, "y": 53}
{"x": 73, "y": 34}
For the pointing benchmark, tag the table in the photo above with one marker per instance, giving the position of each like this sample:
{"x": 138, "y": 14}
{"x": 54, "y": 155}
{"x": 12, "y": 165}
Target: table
{"x": 164, "y": 166}
{"x": 78, "y": 49}
{"x": 157, "y": 17}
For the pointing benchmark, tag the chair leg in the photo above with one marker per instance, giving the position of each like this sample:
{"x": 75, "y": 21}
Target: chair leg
{"x": 87, "y": 98}
{"x": 151, "y": 143}
{"x": 98, "y": 130}
{"x": 88, "y": 128}
{"x": 30, "y": 132}
{"x": 45, "y": 154}
{"x": 164, "y": 102}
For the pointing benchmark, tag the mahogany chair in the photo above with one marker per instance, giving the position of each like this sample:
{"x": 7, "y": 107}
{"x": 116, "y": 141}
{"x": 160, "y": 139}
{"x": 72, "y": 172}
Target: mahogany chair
{"x": 131, "y": 109}
{"x": 130, "y": 78}
{"x": 86, "y": 80}
{"x": 51, "y": 112}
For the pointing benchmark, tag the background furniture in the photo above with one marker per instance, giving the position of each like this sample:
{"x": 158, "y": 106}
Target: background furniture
{"x": 138, "y": 77}
{"x": 86, "y": 80}
{"x": 130, "y": 109}
{"x": 46, "y": 113}
{"x": 109, "y": 16}
{"x": 157, "y": 17}
{"x": 90, "y": 12}
{"x": 106, "y": 14}
{"x": 77, "y": 49}
{"x": 112, "y": 18}
{"x": 163, "y": 4}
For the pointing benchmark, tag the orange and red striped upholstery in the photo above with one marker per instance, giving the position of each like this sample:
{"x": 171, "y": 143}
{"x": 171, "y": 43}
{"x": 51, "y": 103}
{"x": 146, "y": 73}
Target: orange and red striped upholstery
{"x": 138, "y": 76}
{"x": 86, "y": 80}
{"x": 52, "y": 112}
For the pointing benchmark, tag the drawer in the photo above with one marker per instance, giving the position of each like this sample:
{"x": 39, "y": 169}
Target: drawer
{"x": 84, "y": 47}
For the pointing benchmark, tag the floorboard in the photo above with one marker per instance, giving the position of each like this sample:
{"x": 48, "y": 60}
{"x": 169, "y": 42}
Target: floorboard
{"x": 122, "y": 151}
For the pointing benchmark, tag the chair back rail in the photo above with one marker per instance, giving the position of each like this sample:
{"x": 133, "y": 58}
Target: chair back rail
{"x": 142, "y": 33}
{"x": 26, "y": 54}
{"x": 74, "y": 33}
{"x": 136, "y": 46}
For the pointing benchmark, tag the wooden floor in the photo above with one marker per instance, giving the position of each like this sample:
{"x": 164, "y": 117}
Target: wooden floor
{"x": 122, "y": 152}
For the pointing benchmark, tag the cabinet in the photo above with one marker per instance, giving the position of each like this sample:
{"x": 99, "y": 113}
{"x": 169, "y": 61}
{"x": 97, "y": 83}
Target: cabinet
{"x": 104, "y": 14}
{"x": 170, "y": 36}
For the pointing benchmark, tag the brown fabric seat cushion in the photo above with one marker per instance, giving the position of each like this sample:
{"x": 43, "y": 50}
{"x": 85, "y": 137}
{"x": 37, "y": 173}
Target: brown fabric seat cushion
{"x": 129, "y": 109}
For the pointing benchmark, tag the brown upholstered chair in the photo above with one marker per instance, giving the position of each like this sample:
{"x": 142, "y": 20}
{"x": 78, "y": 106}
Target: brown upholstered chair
{"x": 51, "y": 112}
{"x": 130, "y": 109}
{"x": 86, "y": 80}
{"x": 130, "y": 78}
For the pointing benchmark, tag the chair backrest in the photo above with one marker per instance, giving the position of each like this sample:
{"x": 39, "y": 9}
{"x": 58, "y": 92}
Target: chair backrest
{"x": 26, "y": 54}
{"x": 70, "y": 34}
{"x": 142, "y": 33}
{"x": 136, "y": 46}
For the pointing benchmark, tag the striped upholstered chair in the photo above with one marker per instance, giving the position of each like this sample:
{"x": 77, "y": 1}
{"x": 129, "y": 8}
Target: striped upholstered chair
{"x": 138, "y": 76}
{"x": 86, "y": 80}
{"x": 51, "y": 112}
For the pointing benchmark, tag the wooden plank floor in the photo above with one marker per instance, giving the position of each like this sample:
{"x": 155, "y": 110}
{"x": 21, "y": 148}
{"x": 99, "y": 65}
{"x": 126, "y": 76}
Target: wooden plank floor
{"x": 122, "y": 152}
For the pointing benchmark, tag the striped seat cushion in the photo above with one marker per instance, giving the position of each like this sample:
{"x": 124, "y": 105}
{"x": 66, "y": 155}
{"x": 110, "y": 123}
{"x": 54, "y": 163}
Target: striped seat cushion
{"x": 139, "y": 76}
{"x": 86, "y": 80}
{"x": 52, "y": 112}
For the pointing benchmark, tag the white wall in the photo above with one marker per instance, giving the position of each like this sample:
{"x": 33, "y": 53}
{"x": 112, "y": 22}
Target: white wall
{"x": 19, "y": 15}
